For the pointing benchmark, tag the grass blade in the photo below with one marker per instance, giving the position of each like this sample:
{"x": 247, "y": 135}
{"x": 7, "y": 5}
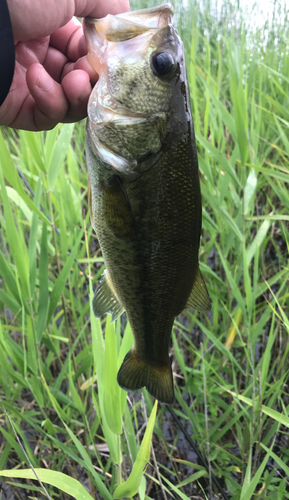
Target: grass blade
{"x": 61, "y": 481}
{"x": 112, "y": 391}
{"x": 43, "y": 285}
{"x": 61, "y": 280}
{"x": 130, "y": 487}
{"x": 59, "y": 154}
{"x": 16, "y": 243}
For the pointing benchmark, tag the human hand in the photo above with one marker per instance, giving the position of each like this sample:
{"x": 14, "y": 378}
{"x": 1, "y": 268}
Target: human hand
{"x": 52, "y": 77}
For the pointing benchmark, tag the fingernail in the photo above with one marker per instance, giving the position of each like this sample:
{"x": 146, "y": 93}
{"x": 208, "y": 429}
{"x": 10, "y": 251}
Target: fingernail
{"x": 44, "y": 81}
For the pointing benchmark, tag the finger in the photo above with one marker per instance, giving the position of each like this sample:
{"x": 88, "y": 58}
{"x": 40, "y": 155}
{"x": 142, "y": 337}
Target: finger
{"x": 31, "y": 20}
{"x": 77, "y": 88}
{"x": 100, "y": 8}
{"x": 18, "y": 94}
{"x": 55, "y": 63}
{"x": 29, "y": 23}
{"x": 84, "y": 65}
{"x": 51, "y": 104}
{"x": 69, "y": 40}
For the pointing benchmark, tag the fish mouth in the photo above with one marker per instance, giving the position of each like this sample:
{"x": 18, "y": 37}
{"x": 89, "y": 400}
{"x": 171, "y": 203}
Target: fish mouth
{"x": 129, "y": 24}
{"x": 123, "y": 28}
{"x": 100, "y": 114}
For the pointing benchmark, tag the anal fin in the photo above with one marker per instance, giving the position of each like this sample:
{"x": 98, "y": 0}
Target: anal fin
{"x": 105, "y": 300}
{"x": 199, "y": 298}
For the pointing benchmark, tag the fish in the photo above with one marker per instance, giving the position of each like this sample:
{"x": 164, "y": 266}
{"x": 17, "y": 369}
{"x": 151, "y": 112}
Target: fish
{"x": 144, "y": 195}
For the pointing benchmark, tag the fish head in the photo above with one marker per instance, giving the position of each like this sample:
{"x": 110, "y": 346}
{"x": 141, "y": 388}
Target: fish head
{"x": 139, "y": 97}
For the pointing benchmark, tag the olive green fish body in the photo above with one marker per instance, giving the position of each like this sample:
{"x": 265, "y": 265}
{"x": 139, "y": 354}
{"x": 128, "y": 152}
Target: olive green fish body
{"x": 146, "y": 212}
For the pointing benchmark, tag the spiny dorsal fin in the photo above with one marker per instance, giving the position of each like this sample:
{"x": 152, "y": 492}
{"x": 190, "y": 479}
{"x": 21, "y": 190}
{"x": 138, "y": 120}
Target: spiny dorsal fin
{"x": 199, "y": 298}
{"x": 105, "y": 300}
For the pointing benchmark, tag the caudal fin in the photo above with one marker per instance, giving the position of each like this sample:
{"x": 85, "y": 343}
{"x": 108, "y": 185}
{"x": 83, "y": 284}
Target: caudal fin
{"x": 135, "y": 374}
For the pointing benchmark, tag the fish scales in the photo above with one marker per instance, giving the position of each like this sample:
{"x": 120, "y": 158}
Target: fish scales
{"x": 146, "y": 204}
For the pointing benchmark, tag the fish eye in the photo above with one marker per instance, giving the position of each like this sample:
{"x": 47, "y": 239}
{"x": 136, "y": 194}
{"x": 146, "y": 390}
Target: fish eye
{"x": 162, "y": 63}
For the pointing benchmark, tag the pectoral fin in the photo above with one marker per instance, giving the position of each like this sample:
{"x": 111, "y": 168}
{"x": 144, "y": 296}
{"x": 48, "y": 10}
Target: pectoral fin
{"x": 117, "y": 210}
{"x": 199, "y": 298}
{"x": 105, "y": 300}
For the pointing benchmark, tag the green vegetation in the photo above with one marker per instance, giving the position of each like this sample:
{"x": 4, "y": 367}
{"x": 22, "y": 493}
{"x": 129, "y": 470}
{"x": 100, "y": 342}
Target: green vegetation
{"x": 231, "y": 365}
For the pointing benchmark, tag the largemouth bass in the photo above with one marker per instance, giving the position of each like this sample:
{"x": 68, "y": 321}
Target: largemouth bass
{"x": 145, "y": 200}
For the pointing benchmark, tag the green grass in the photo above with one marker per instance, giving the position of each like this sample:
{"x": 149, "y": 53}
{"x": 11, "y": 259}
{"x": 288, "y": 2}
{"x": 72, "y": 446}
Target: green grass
{"x": 231, "y": 365}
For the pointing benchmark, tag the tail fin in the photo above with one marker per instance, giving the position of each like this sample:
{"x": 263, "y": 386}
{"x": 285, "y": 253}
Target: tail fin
{"x": 135, "y": 373}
